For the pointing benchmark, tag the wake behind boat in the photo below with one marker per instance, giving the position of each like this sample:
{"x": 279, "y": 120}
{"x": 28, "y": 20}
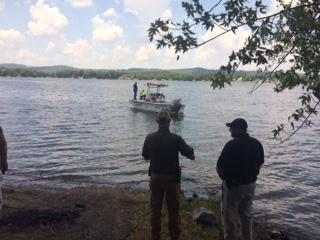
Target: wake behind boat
{"x": 155, "y": 101}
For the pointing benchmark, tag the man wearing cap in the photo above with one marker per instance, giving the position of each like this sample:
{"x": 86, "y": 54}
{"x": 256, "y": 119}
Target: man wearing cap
{"x": 162, "y": 148}
{"x": 3, "y": 160}
{"x": 238, "y": 166}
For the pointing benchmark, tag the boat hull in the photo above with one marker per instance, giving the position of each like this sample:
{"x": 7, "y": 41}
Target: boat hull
{"x": 154, "y": 106}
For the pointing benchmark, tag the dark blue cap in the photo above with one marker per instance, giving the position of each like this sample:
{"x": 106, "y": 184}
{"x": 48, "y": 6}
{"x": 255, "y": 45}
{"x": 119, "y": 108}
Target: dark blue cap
{"x": 239, "y": 123}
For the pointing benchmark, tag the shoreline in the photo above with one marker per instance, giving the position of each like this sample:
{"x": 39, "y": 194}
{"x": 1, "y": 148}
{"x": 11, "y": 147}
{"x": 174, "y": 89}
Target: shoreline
{"x": 236, "y": 80}
{"x": 97, "y": 213}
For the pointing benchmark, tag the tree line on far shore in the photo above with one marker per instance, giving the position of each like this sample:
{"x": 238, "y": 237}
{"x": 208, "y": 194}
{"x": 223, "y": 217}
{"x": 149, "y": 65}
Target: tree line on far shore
{"x": 193, "y": 74}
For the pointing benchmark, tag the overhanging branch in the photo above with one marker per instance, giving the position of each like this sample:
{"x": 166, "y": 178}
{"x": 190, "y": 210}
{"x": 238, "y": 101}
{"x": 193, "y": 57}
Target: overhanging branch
{"x": 301, "y": 125}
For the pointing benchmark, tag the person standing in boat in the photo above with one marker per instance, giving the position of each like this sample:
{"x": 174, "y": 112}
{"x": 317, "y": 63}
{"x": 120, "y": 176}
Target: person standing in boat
{"x": 135, "y": 90}
{"x": 3, "y": 161}
{"x": 162, "y": 148}
{"x": 238, "y": 166}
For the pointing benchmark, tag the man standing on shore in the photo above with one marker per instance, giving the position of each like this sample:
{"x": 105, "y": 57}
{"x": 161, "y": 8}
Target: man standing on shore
{"x": 3, "y": 160}
{"x": 162, "y": 149}
{"x": 238, "y": 166}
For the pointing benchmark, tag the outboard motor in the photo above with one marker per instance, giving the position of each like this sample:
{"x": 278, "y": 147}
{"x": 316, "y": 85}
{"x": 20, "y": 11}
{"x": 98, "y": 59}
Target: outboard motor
{"x": 176, "y": 105}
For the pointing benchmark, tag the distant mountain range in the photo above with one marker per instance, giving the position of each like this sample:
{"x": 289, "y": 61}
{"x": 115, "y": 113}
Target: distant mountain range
{"x": 56, "y": 68}
{"x": 44, "y": 69}
{"x": 62, "y": 71}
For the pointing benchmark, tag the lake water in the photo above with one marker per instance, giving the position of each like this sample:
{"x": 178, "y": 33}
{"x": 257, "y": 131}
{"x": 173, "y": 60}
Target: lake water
{"x": 67, "y": 133}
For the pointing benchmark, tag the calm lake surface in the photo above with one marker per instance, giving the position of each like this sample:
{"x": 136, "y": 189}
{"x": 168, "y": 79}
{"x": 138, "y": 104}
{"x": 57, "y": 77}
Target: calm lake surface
{"x": 67, "y": 133}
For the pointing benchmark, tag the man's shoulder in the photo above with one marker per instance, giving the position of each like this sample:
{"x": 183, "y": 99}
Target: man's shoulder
{"x": 150, "y": 135}
{"x": 166, "y": 134}
{"x": 153, "y": 134}
{"x": 231, "y": 142}
{"x": 254, "y": 140}
{"x": 174, "y": 135}
{"x": 241, "y": 141}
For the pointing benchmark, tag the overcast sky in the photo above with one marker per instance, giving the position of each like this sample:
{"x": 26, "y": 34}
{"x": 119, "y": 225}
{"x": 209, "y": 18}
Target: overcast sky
{"x": 99, "y": 34}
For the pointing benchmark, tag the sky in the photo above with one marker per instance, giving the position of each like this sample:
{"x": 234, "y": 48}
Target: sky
{"x": 100, "y": 34}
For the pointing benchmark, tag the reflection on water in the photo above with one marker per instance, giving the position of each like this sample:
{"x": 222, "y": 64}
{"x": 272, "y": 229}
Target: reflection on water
{"x": 66, "y": 133}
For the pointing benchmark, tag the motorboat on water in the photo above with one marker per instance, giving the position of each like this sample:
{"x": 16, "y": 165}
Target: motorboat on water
{"x": 155, "y": 101}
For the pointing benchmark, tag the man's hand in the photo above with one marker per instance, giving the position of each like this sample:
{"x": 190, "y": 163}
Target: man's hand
{"x": 4, "y": 168}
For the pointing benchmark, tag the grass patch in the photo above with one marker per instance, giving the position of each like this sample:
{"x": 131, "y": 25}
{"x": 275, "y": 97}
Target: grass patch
{"x": 190, "y": 230}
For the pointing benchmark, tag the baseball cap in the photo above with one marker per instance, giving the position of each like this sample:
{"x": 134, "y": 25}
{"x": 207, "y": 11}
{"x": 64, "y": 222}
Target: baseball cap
{"x": 238, "y": 123}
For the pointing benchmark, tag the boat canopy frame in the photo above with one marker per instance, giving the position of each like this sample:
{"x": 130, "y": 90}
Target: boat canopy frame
{"x": 157, "y": 86}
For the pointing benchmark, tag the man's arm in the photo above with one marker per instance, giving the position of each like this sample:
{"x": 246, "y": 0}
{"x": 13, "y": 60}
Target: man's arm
{"x": 219, "y": 168}
{"x": 3, "y": 152}
{"x": 185, "y": 149}
{"x": 260, "y": 160}
{"x": 261, "y": 155}
{"x": 145, "y": 150}
{"x": 222, "y": 161}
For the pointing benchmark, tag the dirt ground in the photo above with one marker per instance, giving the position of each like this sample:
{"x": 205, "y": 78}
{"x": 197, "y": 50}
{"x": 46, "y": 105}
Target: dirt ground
{"x": 101, "y": 213}
{"x": 74, "y": 214}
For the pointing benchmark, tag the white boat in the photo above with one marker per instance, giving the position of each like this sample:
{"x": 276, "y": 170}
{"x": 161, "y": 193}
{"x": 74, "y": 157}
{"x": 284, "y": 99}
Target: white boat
{"x": 155, "y": 101}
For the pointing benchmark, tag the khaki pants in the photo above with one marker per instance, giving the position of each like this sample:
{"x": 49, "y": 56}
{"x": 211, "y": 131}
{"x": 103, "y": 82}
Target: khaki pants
{"x": 164, "y": 186}
{"x": 236, "y": 207}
